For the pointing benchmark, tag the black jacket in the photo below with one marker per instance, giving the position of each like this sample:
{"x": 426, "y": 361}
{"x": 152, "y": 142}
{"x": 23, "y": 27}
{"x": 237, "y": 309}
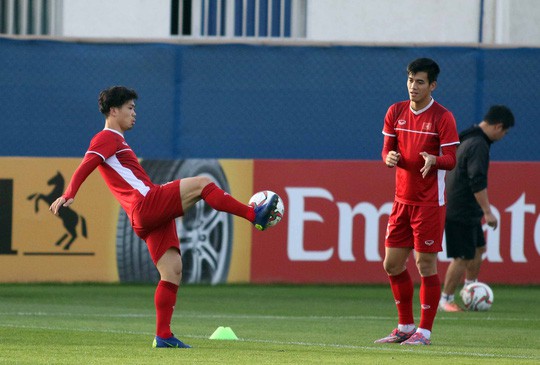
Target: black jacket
{"x": 468, "y": 177}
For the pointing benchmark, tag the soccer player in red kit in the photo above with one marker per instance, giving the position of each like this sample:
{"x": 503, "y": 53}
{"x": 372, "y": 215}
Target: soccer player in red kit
{"x": 420, "y": 141}
{"x": 151, "y": 208}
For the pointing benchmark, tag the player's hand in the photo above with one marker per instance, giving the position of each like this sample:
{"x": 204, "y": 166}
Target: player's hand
{"x": 491, "y": 220}
{"x": 429, "y": 160}
{"x": 392, "y": 158}
{"x": 60, "y": 202}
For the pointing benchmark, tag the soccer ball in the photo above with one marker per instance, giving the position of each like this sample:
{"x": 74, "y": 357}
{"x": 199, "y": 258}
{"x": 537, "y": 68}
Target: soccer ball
{"x": 477, "y": 297}
{"x": 260, "y": 198}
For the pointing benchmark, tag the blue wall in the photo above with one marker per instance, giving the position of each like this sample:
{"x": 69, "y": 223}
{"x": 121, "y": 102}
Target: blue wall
{"x": 244, "y": 101}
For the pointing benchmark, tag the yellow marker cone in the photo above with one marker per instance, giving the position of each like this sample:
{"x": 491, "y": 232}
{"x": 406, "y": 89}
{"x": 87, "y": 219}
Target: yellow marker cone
{"x": 223, "y": 333}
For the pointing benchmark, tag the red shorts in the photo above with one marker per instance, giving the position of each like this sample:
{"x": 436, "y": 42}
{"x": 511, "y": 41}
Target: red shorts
{"x": 153, "y": 218}
{"x": 418, "y": 227}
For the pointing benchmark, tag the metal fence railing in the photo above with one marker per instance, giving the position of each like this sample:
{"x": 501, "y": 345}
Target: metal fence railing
{"x": 29, "y": 17}
{"x": 238, "y": 18}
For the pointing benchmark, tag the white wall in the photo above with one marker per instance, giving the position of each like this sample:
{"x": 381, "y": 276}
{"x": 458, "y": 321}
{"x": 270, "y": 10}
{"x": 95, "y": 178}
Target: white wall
{"x": 393, "y": 21}
{"x": 116, "y": 18}
{"x": 524, "y": 27}
{"x": 505, "y": 22}
{"x": 512, "y": 22}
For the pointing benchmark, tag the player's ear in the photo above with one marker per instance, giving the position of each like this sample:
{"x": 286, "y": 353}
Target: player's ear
{"x": 433, "y": 86}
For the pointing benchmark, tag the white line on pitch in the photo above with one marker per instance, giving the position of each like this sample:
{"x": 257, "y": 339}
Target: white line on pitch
{"x": 290, "y": 343}
{"x": 262, "y": 317}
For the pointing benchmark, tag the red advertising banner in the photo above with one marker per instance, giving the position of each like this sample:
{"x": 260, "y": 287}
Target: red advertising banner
{"x": 336, "y": 214}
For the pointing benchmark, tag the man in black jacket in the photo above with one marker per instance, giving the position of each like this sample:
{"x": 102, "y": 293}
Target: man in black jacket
{"x": 468, "y": 202}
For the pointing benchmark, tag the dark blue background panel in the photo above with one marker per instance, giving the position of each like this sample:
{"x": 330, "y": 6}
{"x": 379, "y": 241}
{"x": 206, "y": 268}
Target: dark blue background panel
{"x": 49, "y": 93}
{"x": 250, "y": 101}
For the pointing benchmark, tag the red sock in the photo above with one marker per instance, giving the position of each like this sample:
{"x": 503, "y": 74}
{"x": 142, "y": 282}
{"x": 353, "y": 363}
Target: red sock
{"x": 430, "y": 293}
{"x": 224, "y": 202}
{"x": 164, "y": 300}
{"x": 403, "y": 289}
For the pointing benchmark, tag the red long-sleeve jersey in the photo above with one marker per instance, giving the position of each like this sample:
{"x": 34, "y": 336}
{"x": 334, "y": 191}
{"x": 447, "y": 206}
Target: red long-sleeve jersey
{"x": 119, "y": 166}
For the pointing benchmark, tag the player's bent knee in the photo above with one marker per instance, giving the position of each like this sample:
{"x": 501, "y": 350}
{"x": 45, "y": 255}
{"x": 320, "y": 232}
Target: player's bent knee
{"x": 392, "y": 268}
{"x": 171, "y": 274}
{"x": 203, "y": 181}
{"x": 169, "y": 266}
{"x": 426, "y": 268}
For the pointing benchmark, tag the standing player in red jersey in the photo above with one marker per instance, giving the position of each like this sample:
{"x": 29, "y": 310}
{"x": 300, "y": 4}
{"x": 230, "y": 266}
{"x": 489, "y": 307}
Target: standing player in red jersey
{"x": 151, "y": 208}
{"x": 420, "y": 140}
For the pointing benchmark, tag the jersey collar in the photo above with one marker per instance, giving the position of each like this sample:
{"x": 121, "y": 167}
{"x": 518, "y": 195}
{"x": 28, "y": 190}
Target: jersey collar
{"x": 113, "y": 130}
{"x": 416, "y": 112}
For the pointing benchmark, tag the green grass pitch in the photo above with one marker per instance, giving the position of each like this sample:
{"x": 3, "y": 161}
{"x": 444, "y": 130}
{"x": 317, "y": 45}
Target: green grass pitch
{"x": 281, "y": 324}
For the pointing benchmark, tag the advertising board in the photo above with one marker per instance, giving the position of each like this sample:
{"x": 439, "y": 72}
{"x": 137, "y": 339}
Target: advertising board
{"x": 336, "y": 213}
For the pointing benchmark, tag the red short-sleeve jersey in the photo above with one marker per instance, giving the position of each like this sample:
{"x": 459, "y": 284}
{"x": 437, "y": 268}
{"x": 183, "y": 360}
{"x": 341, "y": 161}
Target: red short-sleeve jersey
{"x": 120, "y": 169}
{"x": 427, "y": 130}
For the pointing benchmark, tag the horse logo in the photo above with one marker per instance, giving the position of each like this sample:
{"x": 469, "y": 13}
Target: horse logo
{"x": 69, "y": 217}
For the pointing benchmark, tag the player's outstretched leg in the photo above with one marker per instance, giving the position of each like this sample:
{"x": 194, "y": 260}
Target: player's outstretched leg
{"x": 264, "y": 211}
{"x": 223, "y": 202}
{"x": 171, "y": 342}
{"x": 214, "y": 196}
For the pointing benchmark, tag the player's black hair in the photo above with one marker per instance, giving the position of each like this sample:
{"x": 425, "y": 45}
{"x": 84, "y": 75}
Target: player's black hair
{"x": 500, "y": 114}
{"x": 424, "y": 65}
{"x": 114, "y": 97}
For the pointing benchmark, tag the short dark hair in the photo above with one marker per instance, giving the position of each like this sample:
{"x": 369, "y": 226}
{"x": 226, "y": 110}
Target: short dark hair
{"x": 424, "y": 65}
{"x": 500, "y": 114}
{"x": 114, "y": 97}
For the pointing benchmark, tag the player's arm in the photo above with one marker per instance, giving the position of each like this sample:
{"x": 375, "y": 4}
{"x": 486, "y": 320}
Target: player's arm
{"x": 477, "y": 172}
{"x": 389, "y": 155}
{"x": 446, "y": 161}
{"x": 88, "y": 164}
{"x": 449, "y": 140}
{"x": 482, "y": 200}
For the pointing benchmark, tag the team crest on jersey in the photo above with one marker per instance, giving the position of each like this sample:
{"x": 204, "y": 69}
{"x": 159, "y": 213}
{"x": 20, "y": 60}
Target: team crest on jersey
{"x": 426, "y": 127}
{"x": 401, "y": 121}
